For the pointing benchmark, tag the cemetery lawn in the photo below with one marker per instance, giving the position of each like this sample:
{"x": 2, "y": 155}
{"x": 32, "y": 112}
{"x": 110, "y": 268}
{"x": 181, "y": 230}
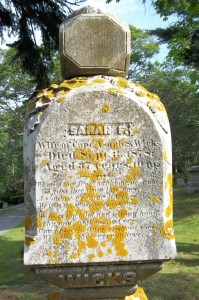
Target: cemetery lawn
{"x": 179, "y": 280}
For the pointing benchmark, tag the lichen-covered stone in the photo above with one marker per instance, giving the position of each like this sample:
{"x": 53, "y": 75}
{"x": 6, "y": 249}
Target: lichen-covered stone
{"x": 98, "y": 179}
{"x": 92, "y": 42}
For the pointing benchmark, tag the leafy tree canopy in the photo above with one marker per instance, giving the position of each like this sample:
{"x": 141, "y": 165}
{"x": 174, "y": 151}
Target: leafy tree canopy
{"x": 21, "y": 18}
{"x": 183, "y": 35}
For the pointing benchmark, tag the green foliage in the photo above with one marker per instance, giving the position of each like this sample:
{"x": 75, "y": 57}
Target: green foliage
{"x": 182, "y": 35}
{"x": 143, "y": 48}
{"x": 16, "y": 87}
{"x": 21, "y": 18}
{"x": 16, "y": 200}
{"x": 178, "y": 90}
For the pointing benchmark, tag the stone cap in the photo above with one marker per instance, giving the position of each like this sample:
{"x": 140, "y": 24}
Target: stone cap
{"x": 193, "y": 169}
{"x": 94, "y": 42}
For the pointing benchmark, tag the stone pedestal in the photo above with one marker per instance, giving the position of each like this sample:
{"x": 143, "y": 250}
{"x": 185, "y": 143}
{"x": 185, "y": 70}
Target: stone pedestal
{"x": 99, "y": 282}
{"x": 193, "y": 180}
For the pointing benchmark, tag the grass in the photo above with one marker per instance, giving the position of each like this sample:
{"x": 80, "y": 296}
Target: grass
{"x": 179, "y": 280}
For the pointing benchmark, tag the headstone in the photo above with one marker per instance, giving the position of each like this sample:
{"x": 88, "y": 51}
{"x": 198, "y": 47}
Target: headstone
{"x": 5, "y": 205}
{"x": 180, "y": 182}
{"x": 193, "y": 180}
{"x": 98, "y": 183}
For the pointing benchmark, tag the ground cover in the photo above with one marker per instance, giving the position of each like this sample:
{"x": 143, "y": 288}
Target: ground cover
{"x": 179, "y": 280}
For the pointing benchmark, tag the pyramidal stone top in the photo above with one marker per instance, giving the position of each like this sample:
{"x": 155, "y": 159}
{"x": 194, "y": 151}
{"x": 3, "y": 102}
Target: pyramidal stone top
{"x": 94, "y": 42}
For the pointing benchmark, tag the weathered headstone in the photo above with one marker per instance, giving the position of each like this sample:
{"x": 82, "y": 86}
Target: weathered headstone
{"x": 193, "y": 180}
{"x": 5, "y": 205}
{"x": 180, "y": 182}
{"x": 98, "y": 180}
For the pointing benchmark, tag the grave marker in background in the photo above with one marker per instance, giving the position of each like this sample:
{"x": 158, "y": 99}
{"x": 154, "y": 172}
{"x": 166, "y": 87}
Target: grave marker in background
{"x": 98, "y": 180}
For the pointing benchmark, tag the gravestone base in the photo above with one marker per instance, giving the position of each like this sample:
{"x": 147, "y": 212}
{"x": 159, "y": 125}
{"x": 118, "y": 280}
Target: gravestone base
{"x": 113, "y": 281}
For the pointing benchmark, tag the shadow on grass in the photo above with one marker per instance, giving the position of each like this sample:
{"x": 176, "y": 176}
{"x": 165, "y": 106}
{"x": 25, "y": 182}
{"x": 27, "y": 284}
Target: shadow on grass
{"x": 185, "y": 205}
{"x": 177, "y": 286}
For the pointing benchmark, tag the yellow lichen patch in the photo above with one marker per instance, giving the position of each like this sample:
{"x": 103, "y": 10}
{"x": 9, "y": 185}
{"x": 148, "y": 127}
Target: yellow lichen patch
{"x": 96, "y": 206}
{"x": 53, "y": 216}
{"x": 120, "y": 250}
{"x": 141, "y": 94}
{"x": 109, "y": 250}
{"x": 103, "y": 244}
{"x": 89, "y": 197}
{"x": 50, "y": 94}
{"x": 44, "y": 162}
{"x": 114, "y": 91}
{"x": 49, "y": 253}
{"x": 100, "y": 253}
{"x": 165, "y": 155}
{"x": 135, "y": 200}
{"x": 135, "y": 131}
{"x": 138, "y": 295}
{"x": 29, "y": 240}
{"x": 67, "y": 232}
{"x": 28, "y": 223}
{"x": 133, "y": 174}
{"x": 80, "y": 212}
{"x": 74, "y": 83}
{"x": 100, "y": 225}
{"x": 74, "y": 256}
{"x": 70, "y": 211}
{"x": 123, "y": 83}
{"x": 155, "y": 105}
{"x": 66, "y": 198}
{"x": 112, "y": 203}
{"x": 91, "y": 256}
{"x": 115, "y": 144}
{"x": 122, "y": 197}
{"x": 114, "y": 189}
{"x": 81, "y": 245}
{"x": 106, "y": 108}
{"x": 111, "y": 173}
{"x": 79, "y": 228}
{"x": 54, "y": 86}
{"x": 56, "y": 230}
{"x": 65, "y": 91}
{"x": 167, "y": 230}
{"x": 120, "y": 231}
{"x": 98, "y": 81}
{"x": 56, "y": 239}
{"x": 115, "y": 158}
{"x": 168, "y": 211}
{"x": 123, "y": 186}
{"x": 61, "y": 99}
{"x": 91, "y": 242}
{"x": 98, "y": 142}
{"x": 41, "y": 93}
{"x": 94, "y": 176}
{"x": 122, "y": 213}
{"x": 168, "y": 183}
{"x": 154, "y": 199}
{"x": 90, "y": 188}
{"x": 129, "y": 160}
{"x": 39, "y": 222}
{"x": 66, "y": 184}
{"x": 88, "y": 154}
